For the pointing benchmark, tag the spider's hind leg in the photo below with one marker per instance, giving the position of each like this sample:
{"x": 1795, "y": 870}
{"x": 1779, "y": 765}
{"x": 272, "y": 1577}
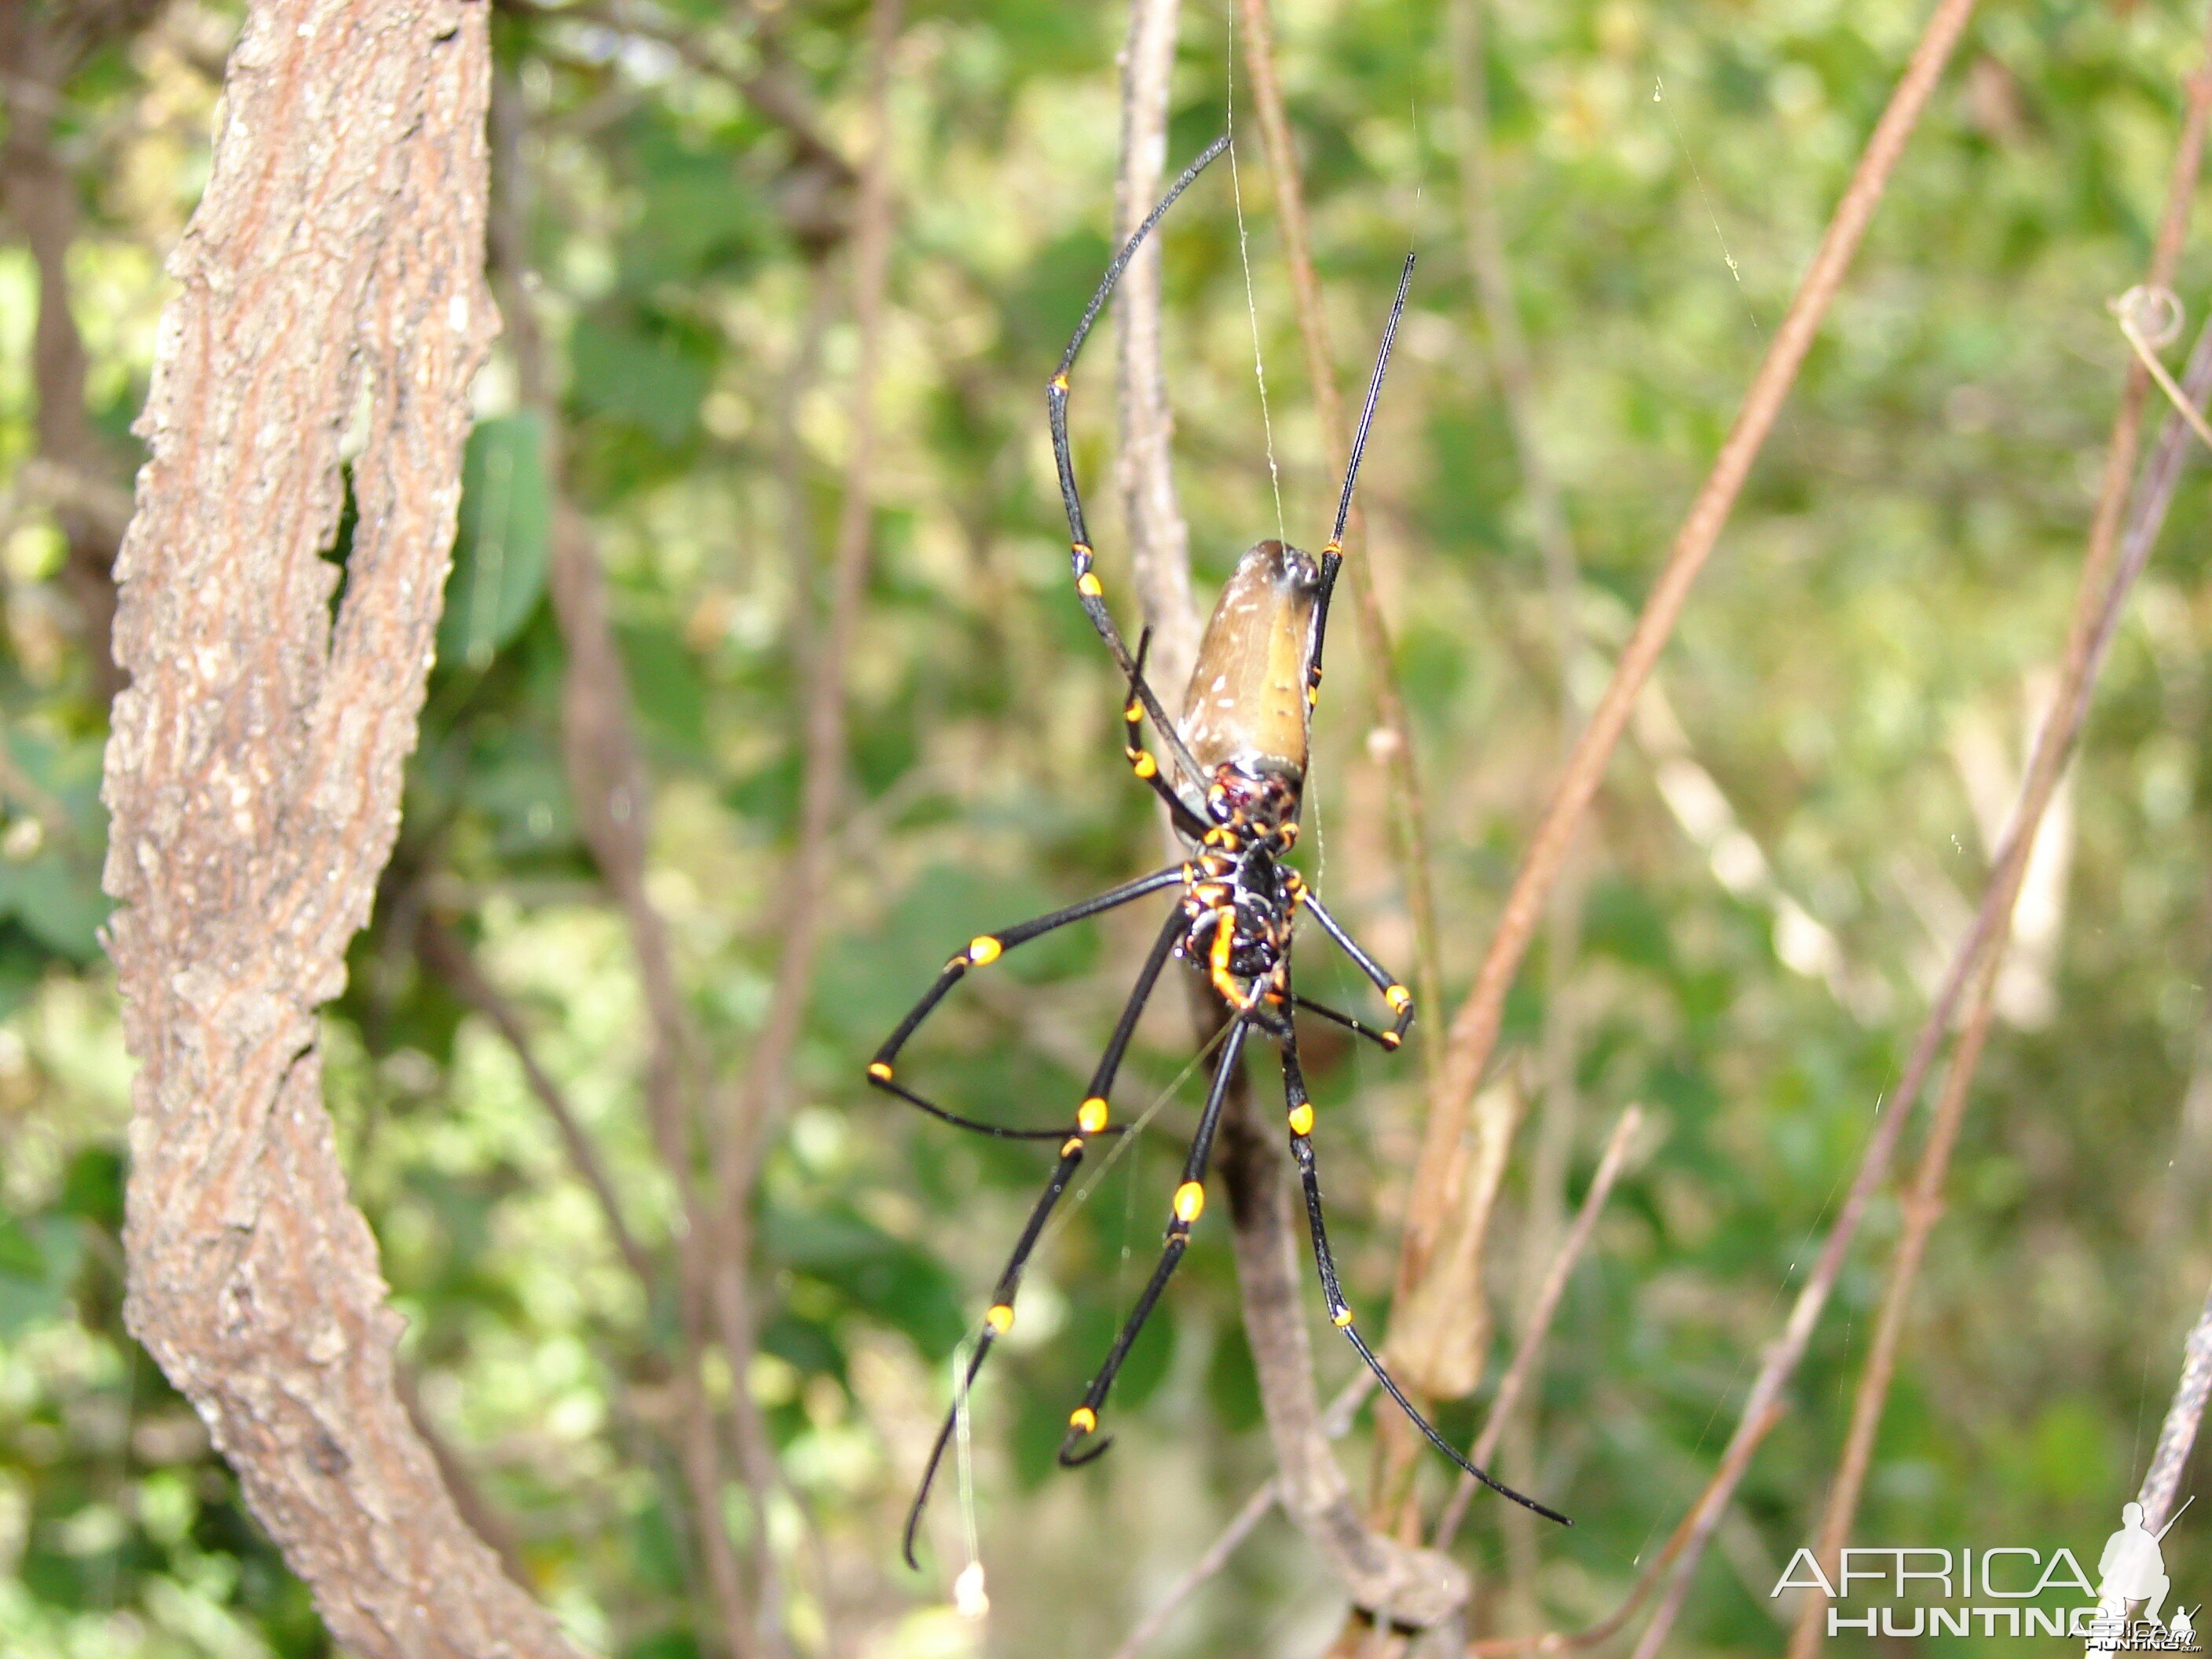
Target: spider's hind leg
{"x": 1299, "y": 1107}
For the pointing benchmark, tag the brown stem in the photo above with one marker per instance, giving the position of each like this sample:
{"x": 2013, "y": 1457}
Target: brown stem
{"x": 254, "y": 773}
{"x": 1409, "y": 823}
{"x": 41, "y": 202}
{"x": 1410, "y": 1586}
{"x": 1705, "y": 1514}
{"x": 2176, "y": 1436}
{"x": 1474, "y": 1030}
{"x": 456, "y": 967}
{"x": 1526, "y": 1357}
{"x": 1159, "y": 541}
{"x": 607, "y": 787}
{"x": 757, "y": 1104}
{"x": 2102, "y": 594}
{"x": 1216, "y": 1555}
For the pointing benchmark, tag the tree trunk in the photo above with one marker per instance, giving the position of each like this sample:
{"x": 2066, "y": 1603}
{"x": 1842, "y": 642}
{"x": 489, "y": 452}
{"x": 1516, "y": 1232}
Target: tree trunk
{"x": 331, "y": 301}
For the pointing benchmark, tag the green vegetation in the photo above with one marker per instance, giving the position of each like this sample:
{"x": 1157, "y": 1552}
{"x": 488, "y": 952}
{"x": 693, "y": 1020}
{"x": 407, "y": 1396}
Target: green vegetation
{"x": 1854, "y": 683}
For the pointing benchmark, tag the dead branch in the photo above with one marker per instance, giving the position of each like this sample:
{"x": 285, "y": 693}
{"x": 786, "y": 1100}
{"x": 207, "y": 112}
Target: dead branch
{"x": 1216, "y": 1555}
{"x": 754, "y": 1105}
{"x": 1159, "y": 541}
{"x": 2176, "y": 1436}
{"x": 1703, "y": 1514}
{"x": 2101, "y": 597}
{"x": 1539, "y": 1324}
{"x": 455, "y": 966}
{"x": 608, "y": 789}
{"x": 1476, "y": 1029}
{"x": 254, "y": 773}
{"x": 1409, "y": 822}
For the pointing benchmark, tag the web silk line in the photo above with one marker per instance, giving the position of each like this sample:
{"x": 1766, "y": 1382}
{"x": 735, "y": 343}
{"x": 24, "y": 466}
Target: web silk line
{"x": 1251, "y": 302}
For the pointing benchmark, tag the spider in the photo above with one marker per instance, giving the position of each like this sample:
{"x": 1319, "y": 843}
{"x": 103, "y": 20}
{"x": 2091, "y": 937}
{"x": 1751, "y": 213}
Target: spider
{"x": 1239, "y": 753}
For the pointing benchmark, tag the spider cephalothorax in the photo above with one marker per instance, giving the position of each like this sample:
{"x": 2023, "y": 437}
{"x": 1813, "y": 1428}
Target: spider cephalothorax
{"x": 1233, "y": 785}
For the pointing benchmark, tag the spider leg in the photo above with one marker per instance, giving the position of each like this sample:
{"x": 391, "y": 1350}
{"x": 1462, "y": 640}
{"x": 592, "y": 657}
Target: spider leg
{"x": 984, "y": 949}
{"x": 1399, "y": 998}
{"x": 1190, "y": 1202}
{"x": 1091, "y": 1121}
{"x": 1087, "y": 588}
{"x": 1357, "y": 1027}
{"x": 1332, "y": 557}
{"x": 1299, "y": 1108}
{"x": 1186, "y": 817}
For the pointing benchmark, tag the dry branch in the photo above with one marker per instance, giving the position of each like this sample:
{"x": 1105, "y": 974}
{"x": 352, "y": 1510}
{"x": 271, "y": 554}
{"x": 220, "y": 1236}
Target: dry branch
{"x": 1475, "y": 1030}
{"x": 1704, "y": 1515}
{"x": 1414, "y": 1585}
{"x": 607, "y": 790}
{"x": 447, "y": 956}
{"x": 1539, "y": 1323}
{"x": 754, "y": 1105}
{"x": 1409, "y": 822}
{"x": 2176, "y": 1436}
{"x": 254, "y": 773}
{"x": 2102, "y": 595}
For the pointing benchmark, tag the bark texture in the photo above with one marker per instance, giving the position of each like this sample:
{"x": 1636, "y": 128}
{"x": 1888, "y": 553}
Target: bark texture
{"x": 331, "y": 303}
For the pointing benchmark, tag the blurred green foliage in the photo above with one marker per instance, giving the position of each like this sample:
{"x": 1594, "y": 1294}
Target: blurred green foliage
{"x": 1853, "y": 681}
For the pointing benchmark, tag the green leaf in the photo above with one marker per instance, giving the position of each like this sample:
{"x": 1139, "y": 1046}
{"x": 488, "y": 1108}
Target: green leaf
{"x": 499, "y": 552}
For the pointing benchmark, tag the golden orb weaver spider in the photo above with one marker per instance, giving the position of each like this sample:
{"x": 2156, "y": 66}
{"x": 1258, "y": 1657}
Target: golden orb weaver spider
{"x": 1242, "y": 745}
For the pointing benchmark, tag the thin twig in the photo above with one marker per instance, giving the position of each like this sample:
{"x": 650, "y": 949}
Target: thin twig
{"x": 2176, "y": 1436}
{"x": 1711, "y": 1504}
{"x": 608, "y": 789}
{"x": 456, "y": 967}
{"x": 1159, "y": 540}
{"x": 756, "y": 1105}
{"x": 1475, "y": 1030}
{"x": 1409, "y": 822}
{"x": 1539, "y": 1322}
{"x": 1255, "y": 1509}
{"x": 2103, "y": 593}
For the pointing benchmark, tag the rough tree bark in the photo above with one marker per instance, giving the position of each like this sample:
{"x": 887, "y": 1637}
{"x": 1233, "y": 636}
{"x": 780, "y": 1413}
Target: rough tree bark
{"x": 331, "y": 302}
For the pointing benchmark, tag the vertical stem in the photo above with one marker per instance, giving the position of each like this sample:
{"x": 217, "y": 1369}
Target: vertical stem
{"x": 1409, "y": 823}
{"x": 1475, "y": 1030}
{"x": 2102, "y": 592}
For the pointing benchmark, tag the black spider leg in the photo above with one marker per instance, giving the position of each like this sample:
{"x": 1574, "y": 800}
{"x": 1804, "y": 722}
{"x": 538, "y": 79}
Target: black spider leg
{"x": 1186, "y": 821}
{"x": 1299, "y": 1107}
{"x": 1087, "y": 588}
{"x": 988, "y": 948}
{"x": 1332, "y": 557}
{"x": 1190, "y": 1202}
{"x": 1337, "y": 1017}
{"x": 1091, "y": 1121}
{"x": 1399, "y": 998}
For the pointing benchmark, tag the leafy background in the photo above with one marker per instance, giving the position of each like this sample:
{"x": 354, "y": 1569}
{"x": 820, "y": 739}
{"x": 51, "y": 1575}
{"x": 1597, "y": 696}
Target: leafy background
{"x": 1854, "y": 682}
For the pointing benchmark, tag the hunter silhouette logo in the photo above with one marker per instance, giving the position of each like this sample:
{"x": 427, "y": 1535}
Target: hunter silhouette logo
{"x": 2132, "y": 1576}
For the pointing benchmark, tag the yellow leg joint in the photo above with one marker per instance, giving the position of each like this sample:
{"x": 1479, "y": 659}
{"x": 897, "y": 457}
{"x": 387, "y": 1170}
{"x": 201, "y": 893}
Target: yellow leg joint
{"x": 1390, "y": 1039}
{"x": 1070, "y": 1146}
{"x": 1084, "y": 1419}
{"x": 1090, "y": 1116}
{"x": 1089, "y": 585}
{"x": 1190, "y": 1202}
{"x": 1340, "y": 1318}
{"x": 1000, "y": 1318}
{"x": 1060, "y": 383}
{"x": 879, "y": 1070}
{"x": 1145, "y": 765}
{"x": 984, "y": 950}
{"x": 1399, "y": 997}
{"x": 1302, "y": 1121}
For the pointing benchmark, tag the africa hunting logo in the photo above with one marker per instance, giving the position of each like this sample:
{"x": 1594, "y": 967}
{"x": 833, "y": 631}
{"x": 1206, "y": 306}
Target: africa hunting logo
{"x": 1913, "y": 1592}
